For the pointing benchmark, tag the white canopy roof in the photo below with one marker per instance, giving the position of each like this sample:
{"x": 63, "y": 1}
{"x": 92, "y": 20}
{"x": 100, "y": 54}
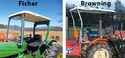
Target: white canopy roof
{"x": 91, "y": 10}
{"x": 32, "y": 17}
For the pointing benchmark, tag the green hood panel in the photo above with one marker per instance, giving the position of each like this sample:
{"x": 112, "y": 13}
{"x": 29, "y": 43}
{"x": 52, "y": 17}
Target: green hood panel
{"x": 8, "y": 45}
{"x": 8, "y": 49}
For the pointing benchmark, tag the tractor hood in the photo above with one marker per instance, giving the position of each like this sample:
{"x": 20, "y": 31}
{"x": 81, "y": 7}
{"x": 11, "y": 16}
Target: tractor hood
{"x": 8, "y": 49}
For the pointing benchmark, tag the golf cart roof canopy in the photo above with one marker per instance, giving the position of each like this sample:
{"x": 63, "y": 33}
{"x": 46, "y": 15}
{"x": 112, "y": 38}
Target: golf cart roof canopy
{"x": 31, "y": 17}
{"x": 91, "y": 10}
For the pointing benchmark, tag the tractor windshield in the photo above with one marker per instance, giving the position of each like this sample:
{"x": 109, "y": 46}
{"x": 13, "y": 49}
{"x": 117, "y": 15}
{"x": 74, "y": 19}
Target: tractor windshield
{"x": 14, "y": 29}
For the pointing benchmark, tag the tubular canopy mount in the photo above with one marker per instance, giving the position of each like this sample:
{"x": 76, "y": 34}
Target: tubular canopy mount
{"x": 80, "y": 10}
{"x": 91, "y": 10}
{"x": 31, "y": 17}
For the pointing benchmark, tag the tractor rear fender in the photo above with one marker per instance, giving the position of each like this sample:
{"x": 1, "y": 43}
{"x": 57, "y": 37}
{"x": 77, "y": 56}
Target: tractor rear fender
{"x": 50, "y": 41}
{"x": 99, "y": 41}
{"x": 43, "y": 47}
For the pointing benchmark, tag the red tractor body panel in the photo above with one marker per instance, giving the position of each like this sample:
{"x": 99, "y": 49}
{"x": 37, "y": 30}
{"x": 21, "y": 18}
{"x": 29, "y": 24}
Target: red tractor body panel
{"x": 76, "y": 47}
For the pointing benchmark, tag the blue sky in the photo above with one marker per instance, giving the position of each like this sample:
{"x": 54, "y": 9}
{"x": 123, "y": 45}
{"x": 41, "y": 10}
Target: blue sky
{"x": 49, "y": 8}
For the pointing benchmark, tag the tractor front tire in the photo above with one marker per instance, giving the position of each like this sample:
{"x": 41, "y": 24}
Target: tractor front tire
{"x": 53, "y": 51}
{"x": 99, "y": 50}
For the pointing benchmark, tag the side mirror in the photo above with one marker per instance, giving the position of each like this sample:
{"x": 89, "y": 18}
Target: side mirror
{"x": 75, "y": 33}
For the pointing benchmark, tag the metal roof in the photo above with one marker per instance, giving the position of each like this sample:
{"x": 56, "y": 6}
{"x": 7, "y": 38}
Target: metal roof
{"x": 31, "y": 17}
{"x": 91, "y": 10}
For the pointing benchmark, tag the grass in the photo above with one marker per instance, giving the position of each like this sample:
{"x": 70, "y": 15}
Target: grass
{"x": 43, "y": 33}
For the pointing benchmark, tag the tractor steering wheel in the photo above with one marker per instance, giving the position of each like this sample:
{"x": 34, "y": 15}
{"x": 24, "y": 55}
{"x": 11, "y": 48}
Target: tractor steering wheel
{"x": 109, "y": 33}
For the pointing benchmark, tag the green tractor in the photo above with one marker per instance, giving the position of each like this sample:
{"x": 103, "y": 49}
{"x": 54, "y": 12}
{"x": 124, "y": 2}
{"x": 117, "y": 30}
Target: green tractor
{"x": 30, "y": 46}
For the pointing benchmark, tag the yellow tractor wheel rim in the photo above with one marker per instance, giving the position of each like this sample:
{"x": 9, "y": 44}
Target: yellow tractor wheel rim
{"x": 60, "y": 55}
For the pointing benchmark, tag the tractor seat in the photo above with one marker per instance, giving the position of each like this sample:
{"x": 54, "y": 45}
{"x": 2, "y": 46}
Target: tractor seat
{"x": 92, "y": 34}
{"x": 36, "y": 41}
{"x": 95, "y": 36}
{"x": 91, "y": 37}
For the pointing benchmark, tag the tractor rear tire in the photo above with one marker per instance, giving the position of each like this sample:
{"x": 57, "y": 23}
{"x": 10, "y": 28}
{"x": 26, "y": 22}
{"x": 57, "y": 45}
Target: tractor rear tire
{"x": 95, "y": 51}
{"x": 54, "y": 51}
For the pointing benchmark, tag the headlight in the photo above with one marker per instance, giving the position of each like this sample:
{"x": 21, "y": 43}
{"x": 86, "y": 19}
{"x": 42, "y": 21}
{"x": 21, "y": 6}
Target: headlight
{"x": 69, "y": 50}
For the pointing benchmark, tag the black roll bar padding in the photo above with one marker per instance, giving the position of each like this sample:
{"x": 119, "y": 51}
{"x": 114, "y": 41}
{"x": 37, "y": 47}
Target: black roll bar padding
{"x": 34, "y": 30}
{"x": 112, "y": 14}
{"x": 39, "y": 23}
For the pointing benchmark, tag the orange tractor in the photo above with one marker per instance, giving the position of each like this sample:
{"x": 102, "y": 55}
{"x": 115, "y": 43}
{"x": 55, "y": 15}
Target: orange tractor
{"x": 92, "y": 44}
{"x": 11, "y": 36}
